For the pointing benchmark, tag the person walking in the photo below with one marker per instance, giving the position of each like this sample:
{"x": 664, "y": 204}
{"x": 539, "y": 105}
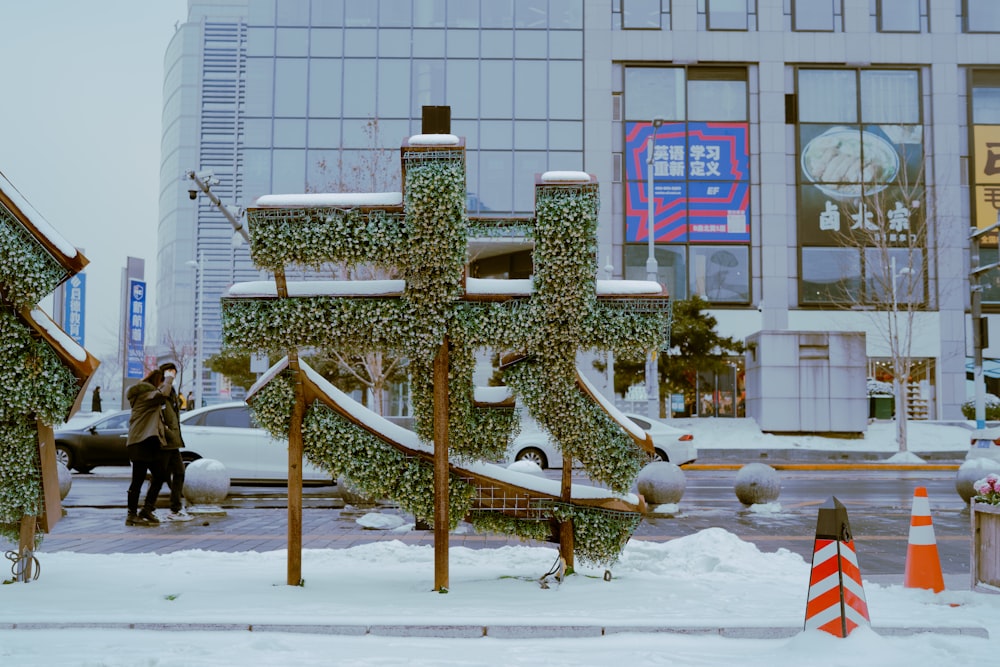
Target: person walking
{"x": 95, "y": 401}
{"x": 170, "y": 455}
{"x": 145, "y": 440}
{"x": 190, "y": 401}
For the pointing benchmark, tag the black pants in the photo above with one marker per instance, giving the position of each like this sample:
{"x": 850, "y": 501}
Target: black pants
{"x": 173, "y": 468}
{"x": 145, "y": 458}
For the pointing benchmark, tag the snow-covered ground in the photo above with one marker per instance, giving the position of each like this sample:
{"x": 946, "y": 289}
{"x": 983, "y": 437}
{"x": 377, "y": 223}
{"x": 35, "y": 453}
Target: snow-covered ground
{"x": 711, "y": 579}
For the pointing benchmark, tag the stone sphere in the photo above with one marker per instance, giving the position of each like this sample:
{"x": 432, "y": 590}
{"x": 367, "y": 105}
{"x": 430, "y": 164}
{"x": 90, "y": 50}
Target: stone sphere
{"x": 757, "y": 484}
{"x": 972, "y": 471}
{"x": 206, "y": 482}
{"x": 65, "y": 480}
{"x": 661, "y": 483}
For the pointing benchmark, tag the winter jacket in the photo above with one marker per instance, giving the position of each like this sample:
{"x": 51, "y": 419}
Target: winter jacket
{"x": 146, "y": 401}
{"x": 172, "y": 423}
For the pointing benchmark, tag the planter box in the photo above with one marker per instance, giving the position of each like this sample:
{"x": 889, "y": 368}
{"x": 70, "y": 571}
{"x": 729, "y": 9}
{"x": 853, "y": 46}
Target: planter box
{"x": 985, "y": 547}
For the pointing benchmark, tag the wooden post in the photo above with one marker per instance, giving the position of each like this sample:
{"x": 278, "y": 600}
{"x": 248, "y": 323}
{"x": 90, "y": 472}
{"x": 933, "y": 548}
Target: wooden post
{"x": 294, "y": 566}
{"x": 26, "y": 550}
{"x": 566, "y": 527}
{"x": 441, "y": 527}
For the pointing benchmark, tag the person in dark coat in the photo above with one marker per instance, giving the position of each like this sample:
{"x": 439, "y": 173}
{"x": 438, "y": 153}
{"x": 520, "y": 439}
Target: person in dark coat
{"x": 95, "y": 401}
{"x": 145, "y": 440}
{"x": 173, "y": 464}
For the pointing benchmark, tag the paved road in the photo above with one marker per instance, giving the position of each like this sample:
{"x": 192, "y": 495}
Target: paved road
{"x": 878, "y": 504}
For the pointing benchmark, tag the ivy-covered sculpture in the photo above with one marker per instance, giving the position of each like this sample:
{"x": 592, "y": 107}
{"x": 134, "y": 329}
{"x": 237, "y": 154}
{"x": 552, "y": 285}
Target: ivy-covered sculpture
{"x": 543, "y": 322}
{"x": 42, "y": 374}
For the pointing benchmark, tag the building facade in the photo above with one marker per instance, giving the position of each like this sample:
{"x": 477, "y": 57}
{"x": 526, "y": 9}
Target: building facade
{"x": 785, "y": 131}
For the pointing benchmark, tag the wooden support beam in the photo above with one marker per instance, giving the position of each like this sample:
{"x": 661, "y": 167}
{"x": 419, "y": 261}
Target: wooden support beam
{"x": 566, "y": 527}
{"x": 441, "y": 469}
{"x": 294, "y": 565}
{"x": 25, "y": 550}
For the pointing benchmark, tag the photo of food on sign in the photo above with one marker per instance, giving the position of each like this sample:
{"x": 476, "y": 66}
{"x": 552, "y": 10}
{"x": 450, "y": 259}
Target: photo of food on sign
{"x": 850, "y": 174}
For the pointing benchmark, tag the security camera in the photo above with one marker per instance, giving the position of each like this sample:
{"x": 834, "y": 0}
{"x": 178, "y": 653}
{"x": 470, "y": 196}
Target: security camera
{"x": 193, "y": 192}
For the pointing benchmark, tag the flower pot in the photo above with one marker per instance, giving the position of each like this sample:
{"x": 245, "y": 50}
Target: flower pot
{"x": 985, "y": 547}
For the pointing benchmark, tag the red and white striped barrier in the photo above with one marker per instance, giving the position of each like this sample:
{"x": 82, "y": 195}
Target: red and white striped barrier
{"x": 836, "y": 602}
{"x": 923, "y": 565}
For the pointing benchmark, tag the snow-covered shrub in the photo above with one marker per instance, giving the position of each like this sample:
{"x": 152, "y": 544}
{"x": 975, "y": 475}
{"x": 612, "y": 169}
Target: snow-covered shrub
{"x": 879, "y": 388}
{"x": 992, "y": 404}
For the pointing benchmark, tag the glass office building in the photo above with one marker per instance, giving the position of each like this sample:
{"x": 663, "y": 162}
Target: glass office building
{"x": 783, "y": 126}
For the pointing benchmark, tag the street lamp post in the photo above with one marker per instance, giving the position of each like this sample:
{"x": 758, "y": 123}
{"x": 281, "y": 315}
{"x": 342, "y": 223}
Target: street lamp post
{"x": 652, "y": 271}
{"x": 199, "y": 328}
{"x": 979, "y": 333}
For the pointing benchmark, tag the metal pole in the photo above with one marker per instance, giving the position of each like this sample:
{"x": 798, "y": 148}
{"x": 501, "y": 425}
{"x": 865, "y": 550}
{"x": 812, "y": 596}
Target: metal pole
{"x": 199, "y": 295}
{"x": 977, "y": 343}
{"x": 204, "y": 184}
{"x": 652, "y": 272}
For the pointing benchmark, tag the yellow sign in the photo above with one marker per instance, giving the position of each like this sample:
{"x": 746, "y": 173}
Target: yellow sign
{"x": 986, "y": 174}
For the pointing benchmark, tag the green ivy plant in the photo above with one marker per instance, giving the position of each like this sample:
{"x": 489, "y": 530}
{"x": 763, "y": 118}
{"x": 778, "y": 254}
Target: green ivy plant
{"x": 27, "y": 271}
{"x": 428, "y": 243}
{"x": 20, "y": 477}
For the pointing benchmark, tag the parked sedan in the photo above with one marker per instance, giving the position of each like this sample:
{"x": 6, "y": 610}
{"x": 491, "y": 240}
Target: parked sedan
{"x": 224, "y": 432}
{"x": 228, "y": 434}
{"x": 671, "y": 444}
{"x": 99, "y": 440}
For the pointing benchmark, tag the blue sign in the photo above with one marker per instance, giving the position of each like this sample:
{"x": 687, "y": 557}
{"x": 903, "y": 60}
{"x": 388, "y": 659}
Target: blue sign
{"x": 74, "y": 304}
{"x": 136, "y": 328}
{"x": 701, "y": 182}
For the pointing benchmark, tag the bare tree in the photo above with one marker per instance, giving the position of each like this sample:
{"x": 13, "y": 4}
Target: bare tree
{"x": 373, "y": 169}
{"x": 879, "y": 210}
{"x": 181, "y": 351}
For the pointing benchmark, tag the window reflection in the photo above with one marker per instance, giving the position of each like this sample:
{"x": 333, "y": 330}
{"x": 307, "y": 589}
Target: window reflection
{"x": 727, "y": 14}
{"x": 641, "y": 14}
{"x": 813, "y": 15}
{"x": 982, "y": 15}
{"x": 831, "y": 275}
{"x": 721, "y": 274}
{"x": 899, "y": 15}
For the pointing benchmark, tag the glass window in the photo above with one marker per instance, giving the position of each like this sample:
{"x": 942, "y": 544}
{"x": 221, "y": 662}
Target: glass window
{"x": 324, "y": 132}
{"x": 463, "y": 97}
{"x": 394, "y": 13}
{"x": 721, "y": 274}
{"x": 393, "y": 88}
{"x": 289, "y": 170}
{"x": 531, "y": 43}
{"x": 530, "y": 134}
{"x": 529, "y": 79}
{"x": 565, "y": 44}
{"x": 727, "y": 14}
{"x": 497, "y": 43}
{"x": 463, "y": 14}
{"x": 641, "y": 14}
{"x": 717, "y": 94}
{"x": 291, "y": 42}
{"x": 393, "y": 43}
{"x": 890, "y": 96}
{"x": 324, "y": 88}
{"x": 565, "y": 89}
{"x": 530, "y": 13}
{"x": 463, "y": 44}
{"x": 329, "y": 13}
{"x": 496, "y": 134}
{"x": 290, "y": 86}
{"x": 527, "y": 163}
{"x": 497, "y": 13}
{"x": 565, "y": 14}
{"x": 496, "y": 189}
{"x": 360, "y": 43}
{"x": 427, "y": 85}
{"x": 982, "y": 16}
{"x": 812, "y": 15}
{"x": 428, "y": 43}
{"x": 359, "y": 102}
{"x": 326, "y": 43}
{"x": 359, "y": 14}
{"x": 495, "y": 98}
{"x": 654, "y": 91}
{"x": 899, "y": 15}
{"x": 260, "y": 86}
{"x": 290, "y": 133}
{"x": 257, "y": 132}
{"x": 260, "y": 41}
{"x": 828, "y": 96}
{"x": 292, "y": 12}
{"x": 566, "y": 135}
{"x": 906, "y": 285}
{"x": 670, "y": 266}
{"x": 831, "y": 275}
{"x": 986, "y": 97}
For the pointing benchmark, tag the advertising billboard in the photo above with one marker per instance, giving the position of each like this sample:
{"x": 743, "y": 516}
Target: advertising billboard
{"x": 136, "y": 328}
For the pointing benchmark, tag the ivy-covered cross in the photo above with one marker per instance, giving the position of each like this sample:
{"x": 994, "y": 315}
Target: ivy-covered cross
{"x": 439, "y": 318}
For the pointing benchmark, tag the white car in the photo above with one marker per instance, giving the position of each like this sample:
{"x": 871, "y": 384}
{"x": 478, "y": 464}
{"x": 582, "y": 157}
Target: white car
{"x": 671, "y": 444}
{"x": 227, "y": 433}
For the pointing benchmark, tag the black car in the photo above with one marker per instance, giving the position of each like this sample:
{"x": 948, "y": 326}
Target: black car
{"x": 99, "y": 441}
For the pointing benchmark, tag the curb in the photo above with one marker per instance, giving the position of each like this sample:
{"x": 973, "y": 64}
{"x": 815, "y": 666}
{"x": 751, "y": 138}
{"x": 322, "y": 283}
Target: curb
{"x": 495, "y": 631}
{"x": 928, "y": 467}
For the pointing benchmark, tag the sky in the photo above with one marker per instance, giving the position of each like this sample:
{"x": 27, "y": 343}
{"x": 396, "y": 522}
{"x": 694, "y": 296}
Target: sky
{"x": 710, "y": 579}
{"x": 80, "y": 132}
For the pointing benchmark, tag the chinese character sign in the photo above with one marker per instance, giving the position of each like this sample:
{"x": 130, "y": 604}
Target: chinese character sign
{"x": 74, "y": 306}
{"x": 860, "y": 180}
{"x": 701, "y": 182}
{"x": 986, "y": 176}
{"x": 136, "y": 328}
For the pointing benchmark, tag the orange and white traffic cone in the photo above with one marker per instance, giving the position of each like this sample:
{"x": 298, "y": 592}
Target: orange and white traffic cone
{"x": 923, "y": 566}
{"x": 836, "y": 601}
